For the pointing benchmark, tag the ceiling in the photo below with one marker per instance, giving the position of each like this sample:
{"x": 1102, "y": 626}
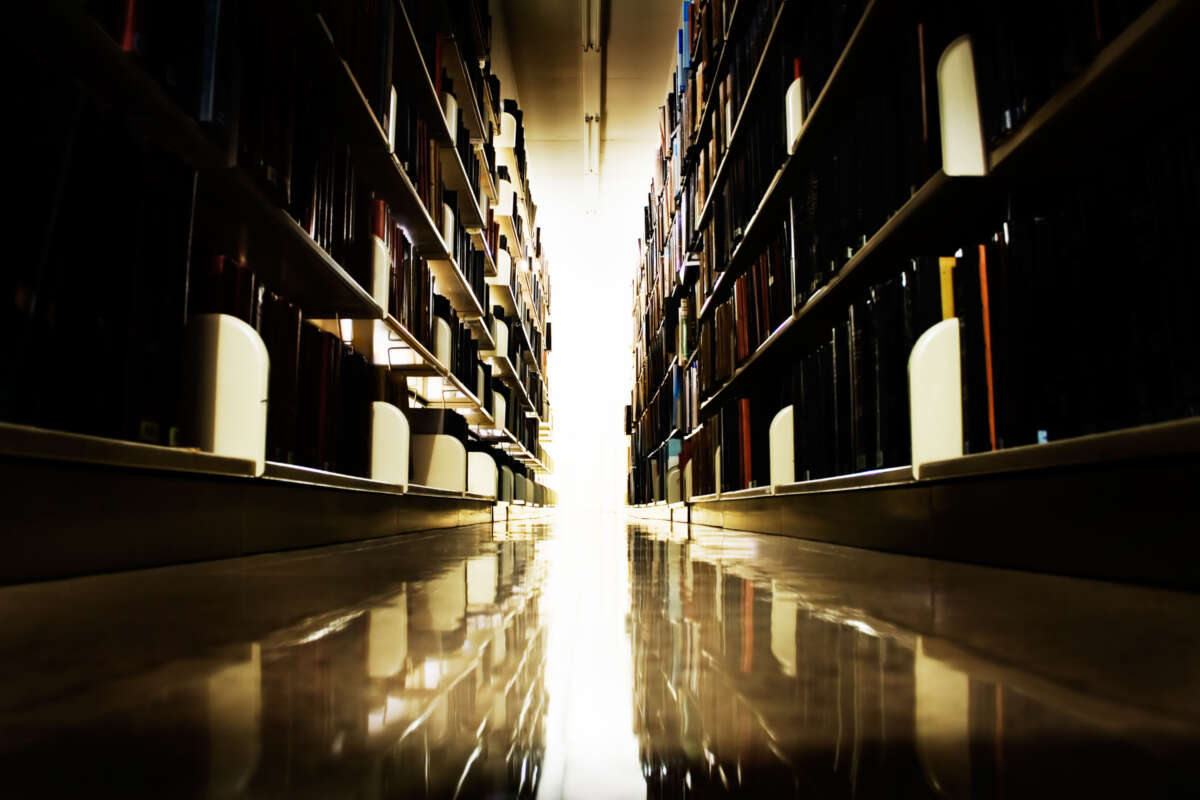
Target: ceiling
{"x": 543, "y": 39}
{"x": 590, "y": 237}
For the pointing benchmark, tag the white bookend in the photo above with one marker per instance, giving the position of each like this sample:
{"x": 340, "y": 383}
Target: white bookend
{"x": 448, "y": 226}
{"x": 442, "y": 349}
{"x": 481, "y": 197}
{"x": 481, "y": 474}
{"x": 505, "y": 490}
{"x": 963, "y": 149}
{"x": 504, "y": 267}
{"x": 674, "y": 485}
{"x": 782, "y": 445}
{"x": 795, "y": 112}
{"x": 507, "y": 137}
{"x": 500, "y": 336}
{"x": 439, "y": 461}
{"x": 499, "y": 409}
{"x": 381, "y": 271}
{"x": 227, "y": 391}
{"x": 391, "y": 129}
{"x": 389, "y": 444}
{"x": 717, "y": 470}
{"x": 450, "y": 106}
{"x": 508, "y": 197}
{"x": 935, "y": 395}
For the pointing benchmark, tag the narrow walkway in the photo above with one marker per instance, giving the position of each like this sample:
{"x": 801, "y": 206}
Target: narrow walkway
{"x": 596, "y": 658}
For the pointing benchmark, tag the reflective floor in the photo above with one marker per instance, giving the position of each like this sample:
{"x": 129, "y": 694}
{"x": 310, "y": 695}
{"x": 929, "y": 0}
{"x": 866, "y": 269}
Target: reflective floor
{"x": 596, "y": 658}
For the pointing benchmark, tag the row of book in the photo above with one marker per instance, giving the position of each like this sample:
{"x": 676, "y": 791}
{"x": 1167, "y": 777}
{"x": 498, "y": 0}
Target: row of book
{"x": 130, "y": 249}
{"x": 760, "y": 301}
{"x": 95, "y": 296}
{"x": 1020, "y": 65}
{"x": 1047, "y": 352}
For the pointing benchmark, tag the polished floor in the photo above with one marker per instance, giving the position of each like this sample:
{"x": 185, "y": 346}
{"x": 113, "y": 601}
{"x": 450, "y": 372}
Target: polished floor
{"x": 596, "y": 657}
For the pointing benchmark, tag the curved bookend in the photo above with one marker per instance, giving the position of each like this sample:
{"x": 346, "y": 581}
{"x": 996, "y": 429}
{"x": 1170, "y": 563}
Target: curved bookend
{"x": 504, "y": 267}
{"x": 500, "y": 336}
{"x": 507, "y": 137}
{"x": 504, "y": 492}
{"x": 227, "y": 392}
{"x": 499, "y": 409}
{"x": 390, "y": 444}
{"x": 717, "y": 470}
{"x": 687, "y": 481}
{"x": 448, "y": 226}
{"x": 794, "y": 111}
{"x": 963, "y": 148}
{"x": 450, "y": 109}
{"x": 481, "y": 474}
{"x": 508, "y": 198}
{"x": 782, "y": 443}
{"x": 935, "y": 392}
{"x": 439, "y": 461}
{"x": 443, "y": 349}
{"x": 674, "y": 485}
{"x": 520, "y": 489}
{"x": 381, "y": 272}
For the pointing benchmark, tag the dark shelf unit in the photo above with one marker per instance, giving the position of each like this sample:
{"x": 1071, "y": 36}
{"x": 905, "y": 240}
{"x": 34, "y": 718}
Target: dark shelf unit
{"x": 60, "y": 38}
{"x": 1137, "y": 75}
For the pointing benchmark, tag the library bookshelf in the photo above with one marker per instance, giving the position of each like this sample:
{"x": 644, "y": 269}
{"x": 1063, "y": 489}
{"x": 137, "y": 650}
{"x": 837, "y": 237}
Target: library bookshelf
{"x": 807, "y": 196}
{"x": 401, "y": 132}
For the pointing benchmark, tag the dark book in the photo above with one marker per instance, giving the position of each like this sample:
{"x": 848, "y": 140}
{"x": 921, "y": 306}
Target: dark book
{"x": 280, "y": 328}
